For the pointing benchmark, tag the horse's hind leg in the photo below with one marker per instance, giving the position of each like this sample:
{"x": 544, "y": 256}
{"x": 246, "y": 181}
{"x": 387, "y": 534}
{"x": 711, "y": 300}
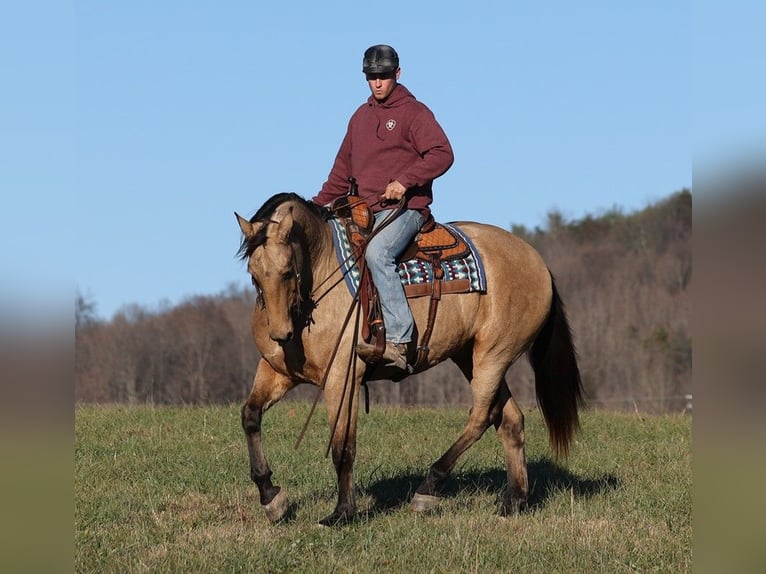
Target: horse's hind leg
{"x": 484, "y": 389}
{"x": 268, "y": 388}
{"x": 510, "y": 429}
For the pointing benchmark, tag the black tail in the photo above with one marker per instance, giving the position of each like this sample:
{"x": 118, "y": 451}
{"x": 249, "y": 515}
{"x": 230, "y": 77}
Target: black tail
{"x": 557, "y": 377}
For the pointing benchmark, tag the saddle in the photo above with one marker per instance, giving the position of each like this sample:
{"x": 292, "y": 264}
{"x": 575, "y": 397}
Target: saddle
{"x": 433, "y": 244}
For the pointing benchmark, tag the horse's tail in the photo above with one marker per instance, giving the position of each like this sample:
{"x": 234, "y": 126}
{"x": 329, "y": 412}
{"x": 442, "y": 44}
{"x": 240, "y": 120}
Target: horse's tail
{"x": 557, "y": 377}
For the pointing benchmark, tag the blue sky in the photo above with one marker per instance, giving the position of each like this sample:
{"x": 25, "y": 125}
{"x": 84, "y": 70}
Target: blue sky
{"x": 131, "y": 131}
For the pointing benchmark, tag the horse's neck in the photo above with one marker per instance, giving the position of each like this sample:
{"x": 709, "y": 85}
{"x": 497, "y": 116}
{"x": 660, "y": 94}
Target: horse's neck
{"x": 319, "y": 245}
{"x": 323, "y": 259}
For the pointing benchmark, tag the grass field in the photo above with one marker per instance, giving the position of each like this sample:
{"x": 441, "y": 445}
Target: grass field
{"x": 168, "y": 490}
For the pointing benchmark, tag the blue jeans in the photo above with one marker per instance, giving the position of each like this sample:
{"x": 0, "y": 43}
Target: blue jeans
{"x": 381, "y": 256}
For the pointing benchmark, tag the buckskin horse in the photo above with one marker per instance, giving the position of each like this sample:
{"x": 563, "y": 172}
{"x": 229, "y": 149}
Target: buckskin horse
{"x": 290, "y": 256}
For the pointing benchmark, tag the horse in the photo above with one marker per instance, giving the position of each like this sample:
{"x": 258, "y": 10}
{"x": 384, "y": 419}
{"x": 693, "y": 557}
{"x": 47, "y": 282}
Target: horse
{"x": 290, "y": 257}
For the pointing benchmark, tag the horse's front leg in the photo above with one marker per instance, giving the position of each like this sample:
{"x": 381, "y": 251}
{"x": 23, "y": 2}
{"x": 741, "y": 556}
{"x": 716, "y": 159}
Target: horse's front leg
{"x": 268, "y": 388}
{"x": 342, "y": 400}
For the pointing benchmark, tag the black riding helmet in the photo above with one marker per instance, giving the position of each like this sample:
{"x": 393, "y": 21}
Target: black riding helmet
{"x": 380, "y": 59}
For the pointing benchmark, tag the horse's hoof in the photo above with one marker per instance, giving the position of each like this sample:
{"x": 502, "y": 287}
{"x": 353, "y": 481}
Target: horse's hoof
{"x": 337, "y": 519}
{"x": 513, "y": 507}
{"x": 424, "y": 502}
{"x": 277, "y": 508}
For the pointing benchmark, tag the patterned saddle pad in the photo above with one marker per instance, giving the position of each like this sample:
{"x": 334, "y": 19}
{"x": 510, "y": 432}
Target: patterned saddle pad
{"x": 463, "y": 273}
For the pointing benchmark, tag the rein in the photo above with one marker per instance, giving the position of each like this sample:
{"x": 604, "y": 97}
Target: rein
{"x": 397, "y": 209}
{"x": 355, "y": 305}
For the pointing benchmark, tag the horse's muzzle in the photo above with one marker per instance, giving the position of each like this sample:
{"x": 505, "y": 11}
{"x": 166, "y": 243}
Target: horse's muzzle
{"x": 281, "y": 338}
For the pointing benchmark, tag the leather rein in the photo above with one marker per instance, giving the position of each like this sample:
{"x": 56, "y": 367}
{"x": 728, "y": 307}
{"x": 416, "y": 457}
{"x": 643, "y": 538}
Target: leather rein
{"x": 354, "y": 307}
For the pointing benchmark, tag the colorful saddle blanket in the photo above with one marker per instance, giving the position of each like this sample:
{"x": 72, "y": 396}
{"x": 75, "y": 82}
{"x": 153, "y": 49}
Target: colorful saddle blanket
{"x": 463, "y": 273}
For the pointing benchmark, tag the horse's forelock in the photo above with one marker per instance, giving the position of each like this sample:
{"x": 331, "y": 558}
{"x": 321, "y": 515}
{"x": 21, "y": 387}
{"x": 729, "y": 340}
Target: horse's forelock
{"x": 250, "y": 244}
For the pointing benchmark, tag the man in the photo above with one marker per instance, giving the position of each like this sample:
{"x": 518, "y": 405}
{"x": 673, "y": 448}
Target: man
{"x": 395, "y": 148}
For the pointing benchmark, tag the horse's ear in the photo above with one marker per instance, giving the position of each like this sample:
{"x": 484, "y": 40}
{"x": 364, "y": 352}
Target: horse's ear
{"x": 249, "y": 229}
{"x": 285, "y": 227}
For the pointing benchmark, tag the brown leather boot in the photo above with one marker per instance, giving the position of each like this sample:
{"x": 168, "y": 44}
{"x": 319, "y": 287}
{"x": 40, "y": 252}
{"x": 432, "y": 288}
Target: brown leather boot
{"x": 394, "y": 355}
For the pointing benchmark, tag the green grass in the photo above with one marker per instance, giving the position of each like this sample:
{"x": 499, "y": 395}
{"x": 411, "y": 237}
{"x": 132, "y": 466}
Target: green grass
{"x": 168, "y": 490}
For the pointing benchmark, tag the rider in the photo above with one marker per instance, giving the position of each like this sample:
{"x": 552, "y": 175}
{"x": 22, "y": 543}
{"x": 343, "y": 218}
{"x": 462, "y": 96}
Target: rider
{"x": 395, "y": 148}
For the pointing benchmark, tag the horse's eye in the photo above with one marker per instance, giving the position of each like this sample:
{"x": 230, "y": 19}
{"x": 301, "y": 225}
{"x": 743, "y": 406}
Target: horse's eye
{"x": 289, "y": 274}
{"x": 252, "y": 280}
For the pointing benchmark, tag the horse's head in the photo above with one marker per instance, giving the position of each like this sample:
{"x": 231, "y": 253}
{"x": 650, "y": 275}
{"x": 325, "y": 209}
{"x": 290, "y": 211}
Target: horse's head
{"x": 274, "y": 268}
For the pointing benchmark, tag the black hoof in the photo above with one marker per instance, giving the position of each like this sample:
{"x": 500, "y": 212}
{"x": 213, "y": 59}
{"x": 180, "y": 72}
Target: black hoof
{"x": 337, "y": 518}
{"x": 513, "y": 507}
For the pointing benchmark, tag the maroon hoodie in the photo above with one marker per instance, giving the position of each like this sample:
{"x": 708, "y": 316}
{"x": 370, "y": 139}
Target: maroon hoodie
{"x": 398, "y": 139}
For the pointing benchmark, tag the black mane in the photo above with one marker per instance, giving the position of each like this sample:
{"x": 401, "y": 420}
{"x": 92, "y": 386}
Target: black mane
{"x": 265, "y": 213}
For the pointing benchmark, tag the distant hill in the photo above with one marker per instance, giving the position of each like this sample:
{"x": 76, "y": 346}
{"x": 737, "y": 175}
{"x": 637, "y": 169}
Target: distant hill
{"x": 625, "y": 279}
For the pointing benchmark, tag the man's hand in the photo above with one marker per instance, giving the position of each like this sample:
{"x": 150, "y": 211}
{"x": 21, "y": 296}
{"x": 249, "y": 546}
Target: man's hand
{"x": 394, "y": 191}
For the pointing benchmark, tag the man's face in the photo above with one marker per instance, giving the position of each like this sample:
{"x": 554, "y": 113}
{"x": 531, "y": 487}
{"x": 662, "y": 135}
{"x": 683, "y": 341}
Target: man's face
{"x": 381, "y": 85}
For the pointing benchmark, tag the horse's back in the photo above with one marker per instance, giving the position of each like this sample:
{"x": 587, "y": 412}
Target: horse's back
{"x": 510, "y": 262}
{"x": 511, "y": 311}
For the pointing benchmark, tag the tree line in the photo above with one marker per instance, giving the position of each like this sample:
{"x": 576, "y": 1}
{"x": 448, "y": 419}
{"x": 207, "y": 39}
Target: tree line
{"x": 625, "y": 280}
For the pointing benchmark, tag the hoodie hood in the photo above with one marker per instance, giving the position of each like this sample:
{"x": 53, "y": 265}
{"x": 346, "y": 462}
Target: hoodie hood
{"x": 398, "y": 97}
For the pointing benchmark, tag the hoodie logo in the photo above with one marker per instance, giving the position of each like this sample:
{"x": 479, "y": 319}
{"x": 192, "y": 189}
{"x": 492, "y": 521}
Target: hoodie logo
{"x": 390, "y": 125}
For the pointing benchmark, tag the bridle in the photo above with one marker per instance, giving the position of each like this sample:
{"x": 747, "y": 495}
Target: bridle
{"x": 355, "y": 306}
{"x": 296, "y": 267}
{"x": 314, "y": 297}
